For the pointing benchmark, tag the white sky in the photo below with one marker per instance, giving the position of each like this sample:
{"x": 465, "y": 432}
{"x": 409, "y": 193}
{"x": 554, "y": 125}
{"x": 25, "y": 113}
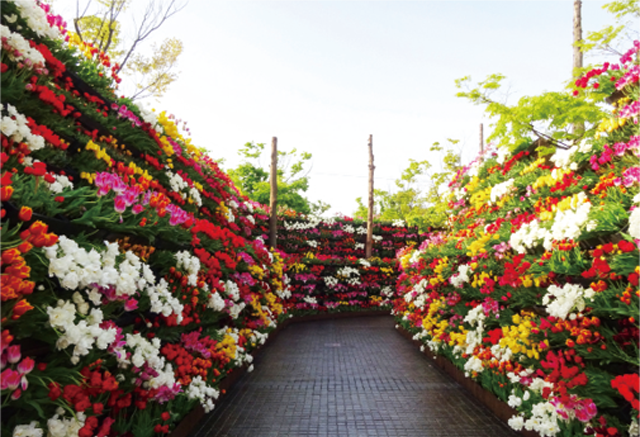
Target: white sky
{"x": 323, "y": 75}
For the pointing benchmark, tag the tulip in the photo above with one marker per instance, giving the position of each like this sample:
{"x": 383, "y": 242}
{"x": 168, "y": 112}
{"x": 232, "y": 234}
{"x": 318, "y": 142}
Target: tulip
{"x": 25, "y": 213}
{"x": 13, "y": 354}
{"x": 9, "y": 379}
{"x": 26, "y": 366}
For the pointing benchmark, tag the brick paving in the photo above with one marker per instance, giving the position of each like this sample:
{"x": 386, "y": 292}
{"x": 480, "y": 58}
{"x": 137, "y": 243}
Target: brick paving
{"x": 347, "y": 377}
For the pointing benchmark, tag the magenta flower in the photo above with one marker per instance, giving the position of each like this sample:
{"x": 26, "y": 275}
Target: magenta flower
{"x": 131, "y": 304}
{"x": 120, "y": 204}
{"x": 9, "y": 379}
{"x": 26, "y": 366}
{"x": 137, "y": 208}
{"x": 13, "y": 354}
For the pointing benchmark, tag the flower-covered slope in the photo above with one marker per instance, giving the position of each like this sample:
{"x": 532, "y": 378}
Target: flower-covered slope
{"x": 326, "y": 266}
{"x": 131, "y": 283}
{"x": 533, "y": 289}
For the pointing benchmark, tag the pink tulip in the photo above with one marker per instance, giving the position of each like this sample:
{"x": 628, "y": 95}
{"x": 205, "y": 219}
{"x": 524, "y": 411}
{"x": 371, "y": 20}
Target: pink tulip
{"x": 16, "y": 395}
{"x": 131, "y": 305}
{"x": 26, "y": 366}
{"x": 13, "y": 354}
{"x": 9, "y": 379}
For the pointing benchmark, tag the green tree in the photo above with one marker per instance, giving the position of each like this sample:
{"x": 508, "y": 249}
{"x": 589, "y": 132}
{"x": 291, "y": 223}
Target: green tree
{"x": 621, "y": 34}
{"x": 548, "y": 116}
{"x": 253, "y": 179}
{"x": 102, "y": 26}
{"x": 416, "y": 205}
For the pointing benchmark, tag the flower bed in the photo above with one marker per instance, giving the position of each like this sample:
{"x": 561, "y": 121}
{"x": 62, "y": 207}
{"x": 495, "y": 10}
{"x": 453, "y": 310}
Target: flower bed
{"x": 326, "y": 266}
{"x": 533, "y": 289}
{"x": 131, "y": 282}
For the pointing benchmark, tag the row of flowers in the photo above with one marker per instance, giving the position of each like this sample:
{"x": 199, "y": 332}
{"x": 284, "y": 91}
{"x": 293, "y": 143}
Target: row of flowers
{"x": 326, "y": 266}
{"x": 131, "y": 281}
{"x": 533, "y": 290}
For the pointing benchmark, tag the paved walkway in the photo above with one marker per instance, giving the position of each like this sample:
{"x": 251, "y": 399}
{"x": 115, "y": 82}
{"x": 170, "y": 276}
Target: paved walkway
{"x": 347, "y": 378}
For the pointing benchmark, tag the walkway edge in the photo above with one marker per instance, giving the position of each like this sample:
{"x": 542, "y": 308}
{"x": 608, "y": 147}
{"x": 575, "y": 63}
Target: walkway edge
{"x": 192, "y": 419}
{"x": 502, "y": 410}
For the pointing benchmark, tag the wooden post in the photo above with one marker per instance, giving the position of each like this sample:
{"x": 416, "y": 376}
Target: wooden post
{"x": 273, "y": 199}
{"x": 481, "y": 138}
{"x": 369, "y": 243}
{"x": 578, "y": 127}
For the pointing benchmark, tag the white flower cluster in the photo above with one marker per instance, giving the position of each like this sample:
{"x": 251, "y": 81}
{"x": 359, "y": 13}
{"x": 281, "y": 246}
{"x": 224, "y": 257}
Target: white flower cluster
{"x": 83, "y": 335}
{"x": 565, "y": 158}
{"x": 361, "y": 230}
{"x": 560, "y": 302}
{"x": 235, "y": 309}
{"x": 502, "y": 152}
{"x": 311, "y": 300}
{"x": 21, "y": 50}
{"x": 76, "y": 268}
{"x": 544, "y": 420}
{"x": 387, "y": 291}
{"x": 566, "y": 225}
{"x": 416, "y": 293}
{"x": 216, "y": 302}
{"x": 232, "y": 290}
{"x": 330, "y": 281}
{"x": 359, "y": 246}
{"x": 59, "y": 426}
{"x": 476, "y": 318}
{"x": 163, "y": 302}
{"x": 634, "y": 224}
{"x": 346, "y": 273}
{"x": 198, "y": 389}
{"x": 36, "y": 18}
{"x": 301, "y": 226}
{"x": 312, "y": 243}
{"x": 177, "y": 183}
{"x": 30, "y": 430}
{"x": 499, "y": 190}
{"x": 150, "y": 117}
{"x": 377, "y": 237}
{"x": 348, "y": 228}
{"x": 364, "y": 262}
{"x": 515, "y": 401}
{"x": 190, "y": 263}
{"x": 415, "y": 257}
{"x": 398, "y": 223}
{"x": 194, "y": 194}
{"x": 462, "y": 276}
{"x": 15, "y": 126}
{"x": 60, "y": 184}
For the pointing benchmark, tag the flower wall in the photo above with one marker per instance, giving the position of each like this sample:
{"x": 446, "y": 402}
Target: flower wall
{"x": 131, "y": 282}
{"x": 326, "y": 266}
{"x": 533, "y": 289}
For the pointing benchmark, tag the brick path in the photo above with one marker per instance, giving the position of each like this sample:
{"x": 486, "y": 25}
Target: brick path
{"x": 347, "y": 378}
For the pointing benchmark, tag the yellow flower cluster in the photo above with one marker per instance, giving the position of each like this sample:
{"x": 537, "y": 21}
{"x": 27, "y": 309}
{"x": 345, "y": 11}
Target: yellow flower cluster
{"x": 75, "y": 41}
{"x": 459, "y": 338}
{"x": 227, "y": 346}
{"x": 478, "y": 245}
{"x": 99, "y": 152}
{"x": 298, "y": 267}
{"x": 480, "y": 198}
{"x": 532, "y": 167}
{"x": 89, "y": 177}
{"x": 256, "y": 272}
{"x": 480, "y": 279}
{"x": 276, "y": 308}
{"x": 387, "y": 271}
{"x": 437, "y": 270}
{"x": 550, "y": 179}
{"x": 609, "y": 125}
{"x": 432, "y": 322}
{"x": 517, "y": 336}
{"x": 258, "y": 311}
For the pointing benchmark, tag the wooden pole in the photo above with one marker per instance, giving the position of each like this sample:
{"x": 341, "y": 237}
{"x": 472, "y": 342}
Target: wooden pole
{"x": 578, "y": 127}
{"x": 481, "y": 138}
{"x": 273, "y": 199}
{"x": 369, "y": 243}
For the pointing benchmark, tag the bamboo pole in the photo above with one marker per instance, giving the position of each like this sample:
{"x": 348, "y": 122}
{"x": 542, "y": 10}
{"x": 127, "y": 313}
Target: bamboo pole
{"x": 273, "y": 198}
{"x": 369, "y": 242}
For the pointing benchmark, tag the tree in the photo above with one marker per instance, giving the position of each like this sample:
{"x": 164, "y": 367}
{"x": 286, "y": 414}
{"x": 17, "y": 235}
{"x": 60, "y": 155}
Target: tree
{"x": 253, "y": 179}
{"x": 422, "y": 207}
{"x": 608, "y": 40}
{"x": 151, "y": 75}
{"x": 548, "y": 116}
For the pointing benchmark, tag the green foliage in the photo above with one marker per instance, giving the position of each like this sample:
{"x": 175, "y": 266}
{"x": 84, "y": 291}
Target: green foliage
{"x": 608, "y": 39}
{"x": 253, "y": 179}
{"x": 424, "y": 207}
{"x": 549, "y": 116}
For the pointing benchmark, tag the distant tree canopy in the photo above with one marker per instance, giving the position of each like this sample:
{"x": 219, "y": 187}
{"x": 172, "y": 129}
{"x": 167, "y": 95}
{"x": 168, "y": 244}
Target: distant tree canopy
{"x": 417, "y": 206}
{"x": 101, "y": 26}
{"x": 253, "y": 179}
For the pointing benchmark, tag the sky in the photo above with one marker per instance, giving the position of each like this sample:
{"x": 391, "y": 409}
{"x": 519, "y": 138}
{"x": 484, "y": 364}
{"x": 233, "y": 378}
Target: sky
{"x": 322, "y": 76}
